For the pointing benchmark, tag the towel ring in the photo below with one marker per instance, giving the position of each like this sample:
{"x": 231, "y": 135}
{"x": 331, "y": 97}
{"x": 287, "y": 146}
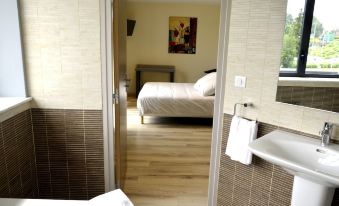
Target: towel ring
{"x": 249, "y": 104}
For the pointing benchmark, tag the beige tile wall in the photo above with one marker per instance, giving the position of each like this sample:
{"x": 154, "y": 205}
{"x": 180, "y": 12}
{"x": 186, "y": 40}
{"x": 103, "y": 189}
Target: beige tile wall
{"x": 61, "y": 40}
{"x": 256, "y": 33}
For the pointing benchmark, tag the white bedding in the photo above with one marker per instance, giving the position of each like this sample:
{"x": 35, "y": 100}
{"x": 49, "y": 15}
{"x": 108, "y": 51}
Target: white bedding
{"x": 173, "y": 100}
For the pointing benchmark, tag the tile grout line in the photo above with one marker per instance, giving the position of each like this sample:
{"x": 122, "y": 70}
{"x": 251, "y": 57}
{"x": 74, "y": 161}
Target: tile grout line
{"x": 34, "y": 147}
{"x": 3, "y": 144}
{"x": 18, "y": 150}
{"x": 249, "y": 200}
{"x": 85, "y": 149}
{"x": 67, "y": 164}
{"x": 48, "y": 152}
{"x": 271, "y": 183}
{"x": 233, "y": 182}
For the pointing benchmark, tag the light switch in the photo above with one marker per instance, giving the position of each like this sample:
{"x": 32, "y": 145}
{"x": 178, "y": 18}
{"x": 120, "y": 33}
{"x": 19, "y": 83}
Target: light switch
{"x": 240, "y": 81}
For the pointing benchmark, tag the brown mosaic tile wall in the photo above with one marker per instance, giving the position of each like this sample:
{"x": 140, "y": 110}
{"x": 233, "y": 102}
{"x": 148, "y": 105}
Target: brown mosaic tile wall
{"x": 17, "y": 159}
{"x": 69, "y": 150}
{"x": 326, "y": 98}
{"x": 260, "y": 183}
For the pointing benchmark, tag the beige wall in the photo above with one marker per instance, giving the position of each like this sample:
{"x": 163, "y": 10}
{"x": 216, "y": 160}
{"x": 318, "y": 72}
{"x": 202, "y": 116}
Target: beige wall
{"x": 61, "y": 40}
{"x": 256, "y": 34}
{"x": 149, "y": 43}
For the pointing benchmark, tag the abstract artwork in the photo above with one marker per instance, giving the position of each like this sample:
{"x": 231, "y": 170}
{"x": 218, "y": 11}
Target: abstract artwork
{"x": 182, "y": 35}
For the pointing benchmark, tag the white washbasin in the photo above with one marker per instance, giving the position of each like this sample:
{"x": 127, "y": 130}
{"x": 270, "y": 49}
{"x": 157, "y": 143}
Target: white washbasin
{"x": 303, "y": 157}
{"x": 300, "y": 155}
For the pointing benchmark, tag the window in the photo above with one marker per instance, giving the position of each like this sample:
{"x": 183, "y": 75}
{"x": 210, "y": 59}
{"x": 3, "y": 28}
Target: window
{"x": 311, "y": 39}
{"x": 12, "y": 78}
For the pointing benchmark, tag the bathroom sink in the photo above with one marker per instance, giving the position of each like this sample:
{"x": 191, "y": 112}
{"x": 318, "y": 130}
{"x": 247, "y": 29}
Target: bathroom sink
{"x": 300, "y": 155}
{"x": 313, "y": 166}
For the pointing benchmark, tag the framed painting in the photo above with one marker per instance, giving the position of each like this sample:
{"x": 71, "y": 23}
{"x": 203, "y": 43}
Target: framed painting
{"x": 182, "y": 35}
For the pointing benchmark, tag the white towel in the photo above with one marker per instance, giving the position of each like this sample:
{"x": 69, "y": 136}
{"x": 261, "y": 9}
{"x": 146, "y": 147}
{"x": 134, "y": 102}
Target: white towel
{"x": 242, "y": 132}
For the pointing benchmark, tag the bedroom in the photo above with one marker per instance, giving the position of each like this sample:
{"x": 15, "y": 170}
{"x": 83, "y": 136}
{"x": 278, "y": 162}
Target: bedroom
{"x": 163, "y": 145}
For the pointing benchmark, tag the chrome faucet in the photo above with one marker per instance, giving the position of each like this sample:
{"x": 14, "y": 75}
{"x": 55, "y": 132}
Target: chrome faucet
{"x": 326, "y": 134}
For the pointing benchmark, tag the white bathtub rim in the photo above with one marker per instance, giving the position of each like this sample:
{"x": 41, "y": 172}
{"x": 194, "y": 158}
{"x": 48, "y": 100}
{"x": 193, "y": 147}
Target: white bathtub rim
{"x": 42, "y": 202}
{"x": 17, "y": 101}
{"x": 113, "y": 198}
{"x": 12, "y": 109}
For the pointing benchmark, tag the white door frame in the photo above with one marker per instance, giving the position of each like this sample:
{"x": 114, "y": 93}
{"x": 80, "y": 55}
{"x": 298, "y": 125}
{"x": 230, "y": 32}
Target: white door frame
{"x": 225, "y": 11}
{"x": 106, "y": 33}
{"x": 107, "y": 91}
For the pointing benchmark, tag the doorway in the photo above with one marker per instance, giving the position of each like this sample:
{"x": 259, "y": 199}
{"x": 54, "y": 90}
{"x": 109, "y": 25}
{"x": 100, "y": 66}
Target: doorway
{"x": 217, "y": 125}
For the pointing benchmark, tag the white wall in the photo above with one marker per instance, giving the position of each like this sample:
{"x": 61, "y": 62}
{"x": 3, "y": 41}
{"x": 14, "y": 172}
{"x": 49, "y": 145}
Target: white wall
{"x": 255, "y": 42}
{"x": 12, "y": 81}
{"x": 149, "y": 43}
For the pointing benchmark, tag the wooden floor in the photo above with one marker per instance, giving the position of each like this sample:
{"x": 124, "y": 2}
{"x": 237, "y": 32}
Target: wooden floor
{"x": 167, "y": 160}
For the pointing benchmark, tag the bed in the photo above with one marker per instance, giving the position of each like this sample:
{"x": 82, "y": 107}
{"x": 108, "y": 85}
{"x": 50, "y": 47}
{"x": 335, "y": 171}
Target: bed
{"x": 164, "y": 99}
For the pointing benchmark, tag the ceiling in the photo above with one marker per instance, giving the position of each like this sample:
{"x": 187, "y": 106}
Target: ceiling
{"x": 179, "y": 1}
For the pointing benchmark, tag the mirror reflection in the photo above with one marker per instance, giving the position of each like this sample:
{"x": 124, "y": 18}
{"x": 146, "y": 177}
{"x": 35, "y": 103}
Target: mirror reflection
{"x": 309, "y": 71}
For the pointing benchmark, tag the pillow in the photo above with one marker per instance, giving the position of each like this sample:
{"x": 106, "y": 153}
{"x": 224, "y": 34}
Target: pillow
{"x": 206, "y": 84}
{"x": 203, "y": 79}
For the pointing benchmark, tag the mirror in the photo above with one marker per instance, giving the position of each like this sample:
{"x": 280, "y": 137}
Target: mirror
{"x": 309, "y": 71}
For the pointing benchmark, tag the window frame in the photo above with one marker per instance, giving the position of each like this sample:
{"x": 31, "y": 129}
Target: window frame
{"x": 304, "y": 46}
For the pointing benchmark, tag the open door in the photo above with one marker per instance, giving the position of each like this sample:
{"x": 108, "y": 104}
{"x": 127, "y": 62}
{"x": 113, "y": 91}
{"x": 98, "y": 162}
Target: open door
{"x": 120, "y": 84}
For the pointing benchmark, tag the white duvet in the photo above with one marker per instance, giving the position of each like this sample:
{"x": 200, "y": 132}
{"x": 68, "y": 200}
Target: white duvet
{"x": 173, "y": 100}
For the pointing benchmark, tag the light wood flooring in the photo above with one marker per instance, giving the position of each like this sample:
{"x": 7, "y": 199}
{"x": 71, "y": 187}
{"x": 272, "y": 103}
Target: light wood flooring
{"x": 167, "y": 160}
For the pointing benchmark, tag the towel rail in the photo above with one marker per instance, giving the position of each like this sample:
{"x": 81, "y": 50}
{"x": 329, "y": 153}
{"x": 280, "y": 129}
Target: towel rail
{"x": 248, "y": 104}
